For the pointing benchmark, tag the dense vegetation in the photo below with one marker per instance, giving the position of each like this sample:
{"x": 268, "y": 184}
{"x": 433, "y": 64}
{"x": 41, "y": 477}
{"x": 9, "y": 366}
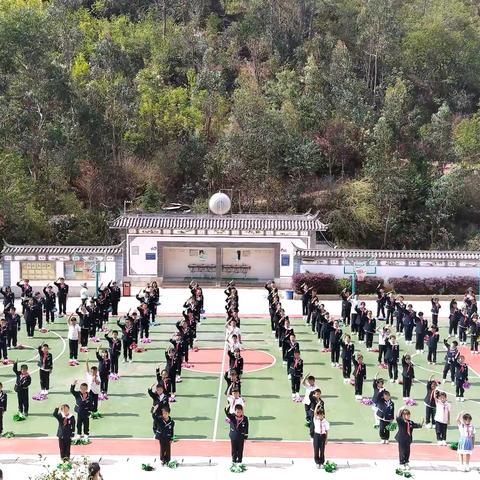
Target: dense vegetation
{"x": 367, "y": 110}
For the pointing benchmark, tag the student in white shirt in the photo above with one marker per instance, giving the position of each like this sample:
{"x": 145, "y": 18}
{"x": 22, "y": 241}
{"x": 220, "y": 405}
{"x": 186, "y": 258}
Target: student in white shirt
{"x": 309, "y": 384}
{"x": 73, "y": 336}
{"x": 319, "y": 433}
{"x": 235, "y": 399}
{"x": 93, "y": 382}
{"x": 442, "y": 417}
{"x": 84, "y": 293}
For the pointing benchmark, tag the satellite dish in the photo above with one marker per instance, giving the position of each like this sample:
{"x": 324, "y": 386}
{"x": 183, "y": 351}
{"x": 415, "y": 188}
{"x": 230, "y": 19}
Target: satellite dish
{"x": 219, "y": 203}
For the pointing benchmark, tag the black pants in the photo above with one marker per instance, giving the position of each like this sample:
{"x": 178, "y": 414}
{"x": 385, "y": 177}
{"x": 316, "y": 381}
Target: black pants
{"x": 23, "y": 401}
{"x": 358, "y": 385}
{"x": 3, "y": 349}
{"x": 432, "y": 355}
{"x": 40, "y": 319}
{"x": 1, "y": 421}
{"x": 114, "y": 308}
{"x": 383, "y": 430}
{"x": 459, "y": 390}
{"x": 144, "y": 330}
{"x": 407, "y": 386}
{"x": 31, "y": 328}
{"x": 93, "y": 397}
{"x": 104, "y": 383}
{"x": 44, "y": 379}
{"x": 335, "y": 353}
{"x": 361, "y": 333}
{"x": 452, "y": 328}
{"x": 73, "y": 346}
{"x": 64, "y": 444}
{"x": 237, "y": 442}
{"x": 62, "y": 304}
{"x": 430, "y": 414}
{"x": 404, "y": 452}
{"x": 346, "y": 367}
{"x": 304, "y": 306}
{"x": 408, "y": 333}
{"x": 368, "y": 339}
{"x": 399, "y": 324}
{"x": 12, "y": 337}
{"x": 127, "y": 351}
{"x": 393, "y": 370}
{"x": 353, "y": 323}
{"x": 435, "y": 320}
{"x": 114, "y": 360}
{"x": 441, "y": 431}
{"x": 389, "y": 319}
{"x": 93, "y": 329}
{"x": 462, "y": 334}
{"x": 165, "y": 450}
{"x": 381, "y": 353}
{"x": 49, "y": 315}
{"x": 295, "y": 384}
{"x": 449, "y": 367}
{"x": 419, "y": 339}
{"x": 319, "y": 440}
{"x": 381, "y": 310}
{"x": 473, "y": 343}
{"x": 84, "y": 337}
{"x": 83, "y": 421}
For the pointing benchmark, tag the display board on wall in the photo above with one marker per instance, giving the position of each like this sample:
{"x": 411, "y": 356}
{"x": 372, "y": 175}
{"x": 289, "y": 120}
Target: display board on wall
{"x": 75, "y": 271}
{"x": 38, "y": 270}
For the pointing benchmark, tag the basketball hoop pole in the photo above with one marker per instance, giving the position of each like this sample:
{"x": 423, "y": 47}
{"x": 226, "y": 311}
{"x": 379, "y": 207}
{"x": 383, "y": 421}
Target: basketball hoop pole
{"x": 354, "y": 277}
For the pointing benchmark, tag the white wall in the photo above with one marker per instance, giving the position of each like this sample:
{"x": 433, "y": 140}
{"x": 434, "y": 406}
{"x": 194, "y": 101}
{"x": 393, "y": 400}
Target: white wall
{"x": 137, "y": 265}
{"x": 261, "y": 261}
{"x": 177, "y": 259}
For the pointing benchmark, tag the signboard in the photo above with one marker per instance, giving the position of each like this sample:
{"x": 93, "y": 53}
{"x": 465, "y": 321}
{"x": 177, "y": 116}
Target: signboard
{"x": 150, "y": 256}
{"x": 285, "y": 260}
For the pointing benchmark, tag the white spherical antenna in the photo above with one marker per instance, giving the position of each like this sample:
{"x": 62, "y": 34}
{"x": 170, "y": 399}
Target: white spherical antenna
{"x": 219, "y": 203}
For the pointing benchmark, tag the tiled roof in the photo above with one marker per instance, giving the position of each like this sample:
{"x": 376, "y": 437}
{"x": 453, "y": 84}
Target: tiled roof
{"x": 238, "y": 221}
{"x": 389, "y": 254}
{"x": 61, "y": 249}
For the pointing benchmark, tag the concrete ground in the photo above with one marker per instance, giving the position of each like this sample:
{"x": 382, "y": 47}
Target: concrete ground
{"x": 251, "y": 300}
{"x": 119, "y": 468}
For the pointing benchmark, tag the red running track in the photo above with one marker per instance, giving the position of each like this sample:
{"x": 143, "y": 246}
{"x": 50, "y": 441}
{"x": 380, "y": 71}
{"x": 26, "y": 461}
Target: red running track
{"x": 221, "y": 448}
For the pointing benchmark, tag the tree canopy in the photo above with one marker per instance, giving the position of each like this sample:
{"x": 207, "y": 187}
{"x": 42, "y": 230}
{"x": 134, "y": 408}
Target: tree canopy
{"x": 366, "y": 110}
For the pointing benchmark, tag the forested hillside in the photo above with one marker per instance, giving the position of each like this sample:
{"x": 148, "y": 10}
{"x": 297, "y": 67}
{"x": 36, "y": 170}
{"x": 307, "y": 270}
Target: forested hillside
{"x": 367, "y": 110}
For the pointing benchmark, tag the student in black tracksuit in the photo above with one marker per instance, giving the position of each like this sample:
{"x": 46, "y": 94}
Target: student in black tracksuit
{"x": 104, "y": 367}
{"x": 62, "y": 295}
{"x": 430, "y": 403}
{"x": 359, "y": 374}
{"x": 435, "y": 310}
{"x": 381, "y": 301}
{"x": 22, "y": 383}
{"x": 65, "y": 430}
{"x": 13, "y": 326}
{"x": 296, "y": 375}
{"x": 49, "y": 303}
{"x": 115, "y": 295}
{"x": 369, "y": 327}
{"x": 404, "y": 436}
{"x": 83, "y": 407}
{"x": 461, "y": 376}
{"x": 235, "y": 361}
{"x": 85, "y": 318}
{"x": 45, "y": 364}
{"x": 450, "y": 359}
{"x": 386, "y": 414}
{"x": 3, "y": 339}
{"x": 474, "y": 334}
{"x": 421, "y": 327}
{"x": 157, "y": 393}
{"x": 238, "y": 431}
{"x": 8, "y": 297}
{"x": 433, "y": 338}
{"x": 128, "y": 338}
{"x": 292, "y": 347}
{"x": 408, "y": 375}
{"x": 163, "y": 428}
{"x": 3, "y": 406}
{"x": 115, "y": 349}
{"x": 335, "y": 342}
{"x": 392, "y": 356}
{"x": 348, "y": 350}
{"x": 30, "y": 316}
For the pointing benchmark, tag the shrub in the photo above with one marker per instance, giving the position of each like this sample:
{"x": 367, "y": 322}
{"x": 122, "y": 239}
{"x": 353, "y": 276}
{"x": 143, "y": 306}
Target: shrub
{"x": 321, "y": 282}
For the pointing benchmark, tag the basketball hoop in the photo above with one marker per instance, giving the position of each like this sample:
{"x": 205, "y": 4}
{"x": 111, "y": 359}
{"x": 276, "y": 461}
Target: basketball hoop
{"x": 360, "y": 274}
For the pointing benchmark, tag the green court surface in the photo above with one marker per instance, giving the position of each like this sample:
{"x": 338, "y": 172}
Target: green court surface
{"x": 273, "y": 416}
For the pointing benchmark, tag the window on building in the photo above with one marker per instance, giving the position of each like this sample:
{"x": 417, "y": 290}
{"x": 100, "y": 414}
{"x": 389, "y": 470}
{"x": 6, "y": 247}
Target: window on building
{"x": 38, "y": 270}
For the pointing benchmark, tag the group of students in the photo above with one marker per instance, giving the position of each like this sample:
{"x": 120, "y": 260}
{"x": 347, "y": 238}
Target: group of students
{"x": 365, "y": 326}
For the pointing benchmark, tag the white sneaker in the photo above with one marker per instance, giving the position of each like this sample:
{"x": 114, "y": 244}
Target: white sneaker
{"x": 289, "y": 377}
{"x": 440, "y": 442}
{"x": 462, "y": 399}
{"x": 452, "y": 383}
{"x": 392, "y": 380}
{"x": 130, "y": 361}
{"x": 387, "y": 442}
{"x": 332, "y": 364}
{"x": 457, "y": 399}
{"x": 407, "y": 466}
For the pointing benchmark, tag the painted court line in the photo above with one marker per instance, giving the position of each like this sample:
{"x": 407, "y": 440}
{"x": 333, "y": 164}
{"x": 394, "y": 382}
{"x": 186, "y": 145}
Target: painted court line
{"x": 219, "y": 392}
